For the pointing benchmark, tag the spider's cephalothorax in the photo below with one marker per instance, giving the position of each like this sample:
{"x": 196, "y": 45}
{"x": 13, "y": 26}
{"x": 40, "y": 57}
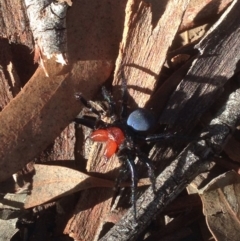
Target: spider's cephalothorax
{"x": 123, "y": 134}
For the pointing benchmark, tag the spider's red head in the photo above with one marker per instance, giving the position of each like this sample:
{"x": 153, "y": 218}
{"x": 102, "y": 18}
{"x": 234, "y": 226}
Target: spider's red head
{"x": 113, "y": 136}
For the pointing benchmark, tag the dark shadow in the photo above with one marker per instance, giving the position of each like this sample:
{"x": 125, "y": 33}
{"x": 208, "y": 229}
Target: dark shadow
{"x": 185, "y": 107}
{"x": 22, "y": 58}
{"x": 142, "y": 69}
{"x": 7, "y": 59}
{"x": 201, "y": 19}
{"x": 158, "y": 8}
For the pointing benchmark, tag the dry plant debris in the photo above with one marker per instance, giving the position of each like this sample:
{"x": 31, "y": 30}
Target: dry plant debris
{"x": 48, "y": 24}
{"x": 220, "y": 200}
{"x": 193, "y": 89}
{"x": 71, "y": 181}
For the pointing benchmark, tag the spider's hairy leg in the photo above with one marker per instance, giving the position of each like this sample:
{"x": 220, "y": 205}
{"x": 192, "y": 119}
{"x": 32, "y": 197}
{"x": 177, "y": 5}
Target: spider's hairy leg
{"x": 144, "y": 159}
{"x": 160, "y": 137}
{"x": 90, "y": 122}
{"x": 127, "y": 158}
{"x": 125, "y": 96}
{"x": 86, "y": 121}
{"x": 122, "y": 172}
{"x": 131, "y": 166}
{"x": 87, "y": 104}
{"x": 166, "y": 136}
{"x": 112, "y": 105}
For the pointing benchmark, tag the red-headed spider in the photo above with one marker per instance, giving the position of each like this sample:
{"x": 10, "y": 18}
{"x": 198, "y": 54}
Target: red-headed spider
{"x": 123, "y": 134}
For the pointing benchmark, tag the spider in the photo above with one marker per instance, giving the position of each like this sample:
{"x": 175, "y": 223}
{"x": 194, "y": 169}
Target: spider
{"x": 123, "y": 135}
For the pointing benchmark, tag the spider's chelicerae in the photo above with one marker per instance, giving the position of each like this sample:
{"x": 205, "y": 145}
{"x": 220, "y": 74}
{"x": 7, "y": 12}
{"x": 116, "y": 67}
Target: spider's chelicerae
{"x": 123, "y": 134}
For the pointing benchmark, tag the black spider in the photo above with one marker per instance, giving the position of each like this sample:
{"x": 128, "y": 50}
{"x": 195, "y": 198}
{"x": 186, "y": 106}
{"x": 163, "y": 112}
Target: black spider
{"x": 123, "y": 134}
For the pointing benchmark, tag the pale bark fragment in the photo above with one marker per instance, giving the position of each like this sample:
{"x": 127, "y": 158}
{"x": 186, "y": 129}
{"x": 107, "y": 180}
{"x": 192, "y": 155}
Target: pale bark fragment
{"x": 48, "y": 23}
{"x": 8, "y": 228}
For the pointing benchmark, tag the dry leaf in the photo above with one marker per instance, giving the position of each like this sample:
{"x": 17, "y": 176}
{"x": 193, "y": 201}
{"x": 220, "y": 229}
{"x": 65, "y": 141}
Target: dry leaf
{"x": 51, "y": 182}
{"x": 221, "y": 201}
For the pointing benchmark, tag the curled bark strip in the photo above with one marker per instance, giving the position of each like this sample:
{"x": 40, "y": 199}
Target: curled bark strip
{"x": 218, "y": 57}
{"x": 48, "y": 24}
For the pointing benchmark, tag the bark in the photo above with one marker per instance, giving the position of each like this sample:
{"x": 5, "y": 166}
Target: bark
{"x": 148, "y": 33}
{"x": 217, "y": 62}
{"x": 14, "y": 23}
{"x": 45, "y": 106}
{"x": 48, "y": 25}
{"x": 200, "y": 12}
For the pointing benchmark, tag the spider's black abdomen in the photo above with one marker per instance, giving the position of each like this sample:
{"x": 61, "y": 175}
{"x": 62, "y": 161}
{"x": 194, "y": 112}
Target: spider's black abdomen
{"x": 141, "y": 120}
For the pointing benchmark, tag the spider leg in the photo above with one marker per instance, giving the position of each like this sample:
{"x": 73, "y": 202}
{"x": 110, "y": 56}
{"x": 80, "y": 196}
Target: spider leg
{"x": 164, "y": 137}
{"x": 87, "y": 104}
{"x": 157, "y": 137}
{"x": 128, "y": 160}
{"x": 131, "y": 166}
{"x": 108, "y": 97}
{"x": 122, "y": 172}
{"x": 90, "y": 122}
{"x": 144, "y": 159}
{"x": 125, "y": 94}
{"x": 86, "y": 122}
